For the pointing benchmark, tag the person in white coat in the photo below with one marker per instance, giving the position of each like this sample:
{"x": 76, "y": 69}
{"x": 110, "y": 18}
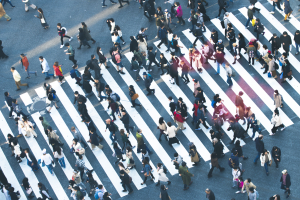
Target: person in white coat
{"x": 45, "y": 67}
{"x": 28, "y": 126}
{"x": 266, "y": 160}
{"x": 47, "y": 159}
{"x": 171, "y": 133}
{"x": 276, "y": 121}
{"x": 235, "y": 176}
{"x": 162, "y": 174}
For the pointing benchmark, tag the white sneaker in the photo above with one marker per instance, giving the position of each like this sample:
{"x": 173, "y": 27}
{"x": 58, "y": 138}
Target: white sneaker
{"x": 71, "y": 39}
{"x": 62, "y": 82}
{"x": 238, "y": 192}
{"x": 272, "y": 134}
{"x": 124, "y": 42}
{"x": 282, "y": 129}
{"x": 61, "y": 46}
{"x": 156, "y": 37}
{"x": 244, "y": 191}
{"x": 272, "y": 12}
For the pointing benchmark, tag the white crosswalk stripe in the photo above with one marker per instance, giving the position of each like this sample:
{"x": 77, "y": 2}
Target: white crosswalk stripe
{"x": 162, "y": 154}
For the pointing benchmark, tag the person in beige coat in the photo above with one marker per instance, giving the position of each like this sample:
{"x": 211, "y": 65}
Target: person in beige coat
{"x": 129, "y": 158}
{"x": 277, "y": 99}
{"x": 3, "y": 13}
{"x": 28, "y": 127}
{"x": 162, "y": 128}
{"x": 276, "y": 121}
{"x": 266, "y": 160}
{"x": 52, "y": 135}
{"x": 247, "y": 185}
{"x": 271, "y": 64}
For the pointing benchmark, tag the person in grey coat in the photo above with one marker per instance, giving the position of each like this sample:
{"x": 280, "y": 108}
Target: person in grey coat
{"x": 77, "y": 135}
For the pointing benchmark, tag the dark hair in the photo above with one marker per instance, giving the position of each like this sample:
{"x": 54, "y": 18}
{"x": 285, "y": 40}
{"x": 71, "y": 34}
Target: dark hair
{"x": 161, "y": 120}
{"x": 169, "y": 124}
{"x": 6, "y": 94}
{"x": 265, "y": 46}
{"x": 58, "y": 149}
{"x": 13, "y": 68}
{"x": 83, "y": 24}
{"x": 67, "y": 44}
{"x": 58, "y": 24}
{"x": 41, "y": 57}
{"x": 80, "y": 156}
{"x": 183, "y": 164}
{"x": 41, "y": 118}
{"x": 92, "y": 56}
{"x": 175, "y": 154}
{"x": 41, "y": 10}
{"x": 116, "y": 145}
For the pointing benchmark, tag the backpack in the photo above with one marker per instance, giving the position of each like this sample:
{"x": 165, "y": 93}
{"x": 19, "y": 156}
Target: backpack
{"x": 83, "y": 192}
{"x": 151, "y": 78}
{"x": 230, "y": 163}
{"x": 115, "y": 97}
{"x": 72, "y": 73}
{"x": 222, "y": 24}
{"x": 113, "y": 58}
{"x": 65, "y": 30}
{"x": 276, "y": 66}
{"x": 96, "y": 195}
{"x": 165, "y": 169}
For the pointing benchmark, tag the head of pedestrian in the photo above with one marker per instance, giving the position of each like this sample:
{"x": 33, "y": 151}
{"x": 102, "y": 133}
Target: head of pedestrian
{"x": 108, "y": 121}
{"x": 284, "y": 171}
{"x": 41, "y": 58}
{"x": 49, "y": 128}
{"x": 198, "y": 25}
{"x": 12, "y": 69}
{"x": 207, "y": 191}
{"x": 58, "y": 25}
{"x": 212, "y": 132}
{"x": 180, "y": 100}
{"x": 166, "y": 11}
{"x": 22, "y": 55}
{"x": 144, "y": 74}
{"x": 284, "y": 33}
{"x": 220, "y": 41}
{"x": 67, "y": 44}
{"x": 170, "y": 98}
{"x": 76, "y": 93}
{"x": 144, "y": 151}
{"x": 139, "y": 130}
{"x": 241, "y": 93}
{"x": 252, "y": 116}
{"x": 44, "y": 151}
{"x": 251, "y": 190}
{"x": 83, "y": 24}
{"x": 150, "y": 48}
{"x": 260, "y": 136}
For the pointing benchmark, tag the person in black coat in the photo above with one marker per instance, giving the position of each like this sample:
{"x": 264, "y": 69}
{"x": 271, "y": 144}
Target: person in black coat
{"x": 163, "y": 193}
{"x": 275, "y": 197}
{"x": 238, "y": 148}
{"x": 222, "y": 4}
{"x": 125, "y": 120}
{"x": 86, "y": 81}
{"x": 209, "y": 194}
{"x": 287, "y": 184}
{"x": 27, "y": 187}
{"x": 276, "y": 154}
{"x": 258, "y": 28}
{"x": 218, "y": 147}
{"x": 260, "y": 146}
{"x": 286, "y": 68}
{"x": 13, "y": 195}
{"x": 83, "y": 111}
{"x": 125, "y": 181}
{"x": 3, "y": 178}
{"x": 93, "y": 63}
{"x": 8, "y": 100}
{"x": 275, "y": 43}
{"x": 152, "y": 59}
{"x": 286, "y": 41}
{"x": 242, "y": 44}
{"x": 2, "y": 54}
{"x": 133, "y": 44}
{"x": 82, "y": 39}
{"x": 182, "y": 107}
{"x": 163, "y": 64}
{"x": 201, "y": 8}
{"x": 94, "y": 138}
{"x": 77, "y": 97}
{"x": 297, "y": 41}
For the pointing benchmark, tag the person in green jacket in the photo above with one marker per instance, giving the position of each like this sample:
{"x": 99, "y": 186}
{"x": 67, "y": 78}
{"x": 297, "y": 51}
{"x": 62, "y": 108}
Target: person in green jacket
{"x": 45, "y": 124}
{"x": 250, "y": 15}
{"x": 139, "y": 57}
{"x": 185, "y": 175}
{"x": 140, "y": 142}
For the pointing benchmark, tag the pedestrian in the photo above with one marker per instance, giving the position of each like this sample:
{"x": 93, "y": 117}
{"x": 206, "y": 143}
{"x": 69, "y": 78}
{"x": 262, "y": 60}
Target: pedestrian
{"x": 218, "y": 147}
{"x": 31, "y": 161}
{"x": 60, "y": 156}
{"x": 242, "y": 44}
{"x": 25, "y": 63}
{"x": 52, "y": 97}
{"x": 179, "y": 119}
{"x": 219, "y": 55}
{"x": 92, "y": 182}
{"x": 77, "y": 148}
{"x": 28, "y": 4}
{"x": 82, "y": 39}
{"x": 209, "y": 194}
{"x": 111, "y": 126}
{"x": 3, "y": 14}
{"x": 28, "y": 127}
{"x": 103, "y": 3}
{"x": 116, "y": 58}
{"x": 231, "y": 36}
{"x": 238, "y": 148}
{"x": 151, "y": 58}
{"x": 252, "y": 194}
{"x": 118, "y": 153}
{"x": 13, "y": 195}
{"x": 258, "y": 28}
{"x": 236, "y": 173}
{"x": 77, "y": 178}
{"x": 198, "y": 59}
{"x": 162, "y": 128}
{"x": 277, "y": 99}
{"x": 195, "y": 158}
{"x": 45, "y": 67}
{"x": 62, "y": 32}
{"x": 2, "y": 54}
{"x": 179, "y": 13}
{"x": 229, "y": 74}
{"x": 276, "y": 121}
{"x": 214, "y": 163}
{"x": 251, "y": 51}
{"x": 161, "y": 170}
{"x": 260, "y": 146}
{"x": 185, "y": 176}
{"x": 9, "y": 102}
{"x": 266, "y": 160}
{"x": 86, "y": 32}
{"x": 276, "y": 154}
{"x": 250, "y": 15}
{"x": 86, "y": 81}
{"x": 286, "y": 41}
{"x": 102, "y": 58}
{"x": 133, "y": 96}
{"x": 276, "y": 196}
{"x": 148, "y": 9}
{"x": 7, "y": 1}
{"x": 17, "y": 109}
{"x": 147, "y": 171}
{"x": 99, "y": 87}
{"x": 164, "y": 64}
{"x": 272, "y": 68}
{"x": 240, "y": 106}
{"x": 42, "y": 18}
{"x": 52, "y": 135}
{"x": 129, "y": 158}
{"x": 11, "y": 141}
{"x": 287, "y": 10}
{"x": 163, "y": 193}
{"x": 94, "y": 137}
{"x": 71, "y": 52}
{"x": 276, "y": 43}
{"x": 148, "y": 80}
{"x": 80, "y": 165}
{"x": 162, "y": 34}
{"x": 222, "y": 6}
{"x": 126, "y": 180}
{"x": 121, "y": 5}
{"x": 286, "y": 71}
{"x": 297, "y": 41}
{"x": 140, "y": 142}
{"x": 58, "y": 72}
{"x": 114, "y": 107}
{"x": 201, "y": 118}
{"x": 133, "y": 44}
{"x": 27, "y": 187}
{"x": 286, "y": 182}
{"x": 17, "y": 79}
{"x": 135, "y": 67}
{"x": 47, "y": 160}
{"x": 171, "y": 133}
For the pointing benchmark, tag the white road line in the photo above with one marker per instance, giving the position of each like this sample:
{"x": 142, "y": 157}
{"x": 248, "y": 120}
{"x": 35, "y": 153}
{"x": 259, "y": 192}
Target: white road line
{"x": 26, "y": 99}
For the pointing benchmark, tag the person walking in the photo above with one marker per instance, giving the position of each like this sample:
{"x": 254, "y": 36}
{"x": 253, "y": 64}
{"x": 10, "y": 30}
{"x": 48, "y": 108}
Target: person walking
{"x": 240, "y": 106}
{"x": 276, "y": 154}
{"x": 251, "y": 51}
{"x": 86, "y": 32}
{"x": 71, "y": 52}
{"x": 147, "y": 171}
{"x": 129, "y": 158}
{"x": 297, "y": 41}
{"x": 7, "y": 1}
{"x": 152, "y": 58}
{"x": 94, "y": 138}
{"x": 17, "y": 79}
{"x": 250, "y": 15}
{"x": 162, "y": 128}
{"x": 214, "y": 163}
{"x": 47, "y": 160}
{"x": 277, "y": 99}
{"x": 62, "y": 32}
{"x": 238, "y": 148}
{"x": 77, "y": 177}
{"x": 80, "y": 165}
{"x": 201, "y": 118}
{"x": 140, "y": 142}
{"x": 218, "y": 147}
{"x": 185, "y": 176}
{"x": 9, "y": 102}
{"x": 2, "y": 54}
{"x": 58, "y": 73}
{"x": 76, "y": 147}
{"x": 116, "y": 57}
{"x": 31, "y": 161}
{"x": 87, "y": 77}
{"x": 285, "y": 180}
{"x": 111, "y": 126}
{"x": 17, "y": 109}
{"x": 28, "y": 4}
{"x": 102, "y": 58}
{"x": 118, "y": 153}
{"x": 53, "y": 136}
{"x": 25, "y": 63}
{"x": 27, "y": 187}
{"x": 229, "y": 74}
{"x": 57, "y": 153}
{"x": 179, "y": 119}
{"x": 133, "y": 95}
{"x": 171, "y": 133}
{"x": 42, "y": 18}
{"x": 266, "y": 160}
{"x": 272, "y": 69}
{"x": 195, "y": 158}
{"x": 219, "y": 55}
{"x": 287, "y": 10}
{"x": 222, "y": 6}
{"x": 179, "y": 13}
{"x": 163, "y": 193}
{"x": 148, "y": 80}
{"x": 28, "y": 127}
{"x": 286, "y": 42}
{"x": 120, "y": 2}
{"x": 209, "y": 194}
{"x": 162, "y": 34}
{"x": 260, "y": 146}
{"x": 161, "y": 170}
{"x": 45, "y": 67}
{"x": 276, "y": 121}
{"x": 163, "y": 64}
{"x": 52, "y": 97}
{"x": 125, "y": 178}
{"x": 103, "y": 3}
{"x": 82, "y": 40}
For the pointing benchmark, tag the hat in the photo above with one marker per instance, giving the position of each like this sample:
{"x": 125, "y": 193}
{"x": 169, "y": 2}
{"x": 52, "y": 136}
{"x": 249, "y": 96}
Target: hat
{"x": 195, "y": 80}
{"x": 284, "y": 171}
{"x": 191, "y": 144}
{"x": 251, "y": 7}
{"x": 227, "y": 13}
{"x": 44, "y": 151}
{"x": 219, "y": 40}
{"x": 166, "y": 10}
{"x": 180, "y": 99}
{"x": 250, "y": 43}
{"x": 269, "y": 52}
{"x": 252, "y": 40}
{"x": 234, "y": 44}
{"x": 144, "y": 73}
{"x": 213, "y": 30}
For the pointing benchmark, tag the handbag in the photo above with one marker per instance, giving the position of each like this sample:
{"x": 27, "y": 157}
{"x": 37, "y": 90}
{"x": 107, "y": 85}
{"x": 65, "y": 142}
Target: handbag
{"x": 253, "y": 22}
{"x": 43, "y": 21}
{"x": 29, "y": 190}
{"x": 135, "y": 96}
{"x": 269, "y": 74}
{"x": 81, "y": 151}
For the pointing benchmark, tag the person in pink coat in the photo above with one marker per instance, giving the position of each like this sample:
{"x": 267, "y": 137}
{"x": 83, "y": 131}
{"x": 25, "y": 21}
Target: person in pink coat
{"x": 179, "y": 13}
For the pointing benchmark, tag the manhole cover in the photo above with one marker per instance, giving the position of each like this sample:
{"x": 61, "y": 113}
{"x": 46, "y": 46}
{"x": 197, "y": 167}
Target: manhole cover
{"x": 39, "y": 105}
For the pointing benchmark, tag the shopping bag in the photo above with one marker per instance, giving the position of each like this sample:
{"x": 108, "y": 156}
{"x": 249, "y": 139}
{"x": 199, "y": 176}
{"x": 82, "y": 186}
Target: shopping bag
{"x": 253, "y": 22}
{"x": 281, "y": 75}
{"x": 269, "y": 74}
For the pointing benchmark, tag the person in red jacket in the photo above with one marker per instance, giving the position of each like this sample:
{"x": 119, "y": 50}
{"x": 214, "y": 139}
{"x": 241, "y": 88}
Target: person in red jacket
{"x": 25, "y": 63}
{"x": 58, "y": 72}
{"x": 179, "y": 120}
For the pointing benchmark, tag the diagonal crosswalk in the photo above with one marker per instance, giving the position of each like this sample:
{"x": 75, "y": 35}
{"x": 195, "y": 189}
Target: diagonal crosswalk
{"x": 154, "y": 107}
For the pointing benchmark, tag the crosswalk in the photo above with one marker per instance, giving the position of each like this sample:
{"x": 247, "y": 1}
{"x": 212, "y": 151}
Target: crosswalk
{"x": 153, "y": 107}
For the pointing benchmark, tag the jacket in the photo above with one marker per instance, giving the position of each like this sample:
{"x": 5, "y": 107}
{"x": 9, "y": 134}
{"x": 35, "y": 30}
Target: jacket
{"x": 162, "y": 176}
{"x": 151, "y": 56}
{"x": 179, "y": 11}
{"x": 276, "y": 154}
{"x": 247, "y": 186}
{"x": 178, "y": 117}
{"x": 86, "y": 33}
{"x": 286, "y": 40}
{"x": 125, "y": 119}
{"x": 262, "y": 159}
{"x": 250, "y": 14}
{"x": 94, "y": 139}
{"x": 162, "y": 126}
{"x": 45, "y": 65}
{"x": 231, "y": 35}
{"x": 133, "y": 45}
{"x": 140, "y": 139}
{"x": 185, "y": 175}
{"x": 235, "y": 160}
{"x": 135, "y": 65}
{"x": 57, "y": 71}
{"x": 171, "y": 131}
{"x": 287, "y": 180}
{"x": 276, "y": 119}
{"x": 138, "y": 56}
{"x": 272, "y": 65}
{"x": 214, "y": 36}
{"x": 219, "y": 57}
{"x": 251, "y": 48}
{"x": 148, "y": 81}
{"x": 287, "y": 7}
{"x": 8, "y": 100}
{"x": 259, "y": 144}
{"x": 297, "y": 38}
{"x": 276, "y": 42}
{"x": 25, "y": 62}
{"x": 162, "y": 33}
{"x": 221, "y": 3}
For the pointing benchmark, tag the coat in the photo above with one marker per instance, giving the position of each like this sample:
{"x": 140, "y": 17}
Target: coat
{"x": 247, "y": 187}
{"x": 239, "y": 103}
{"x": 287, "y": 180}
{"x": 195, "y": 88}
{"x": 277, "y": 100}
{"x": 259, "y": 144}
{"x": 276, "y": 119}
{"x": 130, "y": 157}
{"x": 262, "y": 159}
{"x": 162, "y": 126}
{"x": 162, "y": 176}
{"x": 194, "y": 158}
{"x": 86, "y": 33}
{"x": 2, "y": 11}
{"x": 133, "y": 45}
{"x": 171, "y": 131}
{"x": 272, "y": 65}
{"x": 179, "y": 11}
{"x": 276, "y": 154}
{"x": 286, "y": 40}
{"x": 287, "y": 7}
{"x": 185, "y": 175}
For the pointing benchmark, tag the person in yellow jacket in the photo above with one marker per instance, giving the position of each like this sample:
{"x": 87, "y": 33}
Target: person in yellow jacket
{"x": 17, "y": 78}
